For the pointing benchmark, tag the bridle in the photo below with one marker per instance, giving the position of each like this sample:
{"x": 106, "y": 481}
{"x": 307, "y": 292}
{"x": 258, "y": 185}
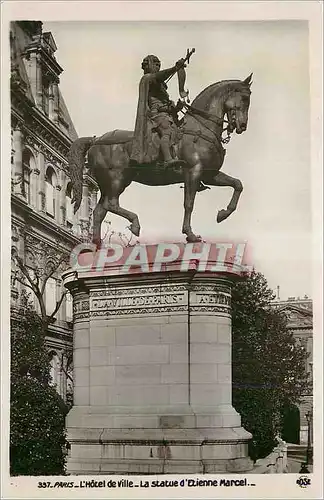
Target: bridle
{"x": 196, "y": 113}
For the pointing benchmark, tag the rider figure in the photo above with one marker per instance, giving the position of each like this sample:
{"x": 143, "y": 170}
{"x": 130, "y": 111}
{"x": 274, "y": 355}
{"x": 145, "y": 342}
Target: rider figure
{"x": 161, "y": 108}
{"x": 155, "y": 104}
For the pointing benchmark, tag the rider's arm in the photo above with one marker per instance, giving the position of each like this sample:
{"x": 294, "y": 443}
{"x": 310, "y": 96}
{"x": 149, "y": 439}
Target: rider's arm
{"x": 162, "y": 75}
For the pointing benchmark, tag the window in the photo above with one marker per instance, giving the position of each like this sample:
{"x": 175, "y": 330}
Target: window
{"x": 69, "y": 307}
{"x": 69, "y": 206}
{"x": 26, "y": 161}
{"x": 45, "y": 95}
{"x": 50, "y": 295}
{"x": 55, "y": 370}
{"x": 50, "y": 181}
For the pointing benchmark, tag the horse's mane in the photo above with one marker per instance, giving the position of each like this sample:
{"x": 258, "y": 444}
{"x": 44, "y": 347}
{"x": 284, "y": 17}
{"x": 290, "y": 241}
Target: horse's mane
{"x": 221, "y": 88}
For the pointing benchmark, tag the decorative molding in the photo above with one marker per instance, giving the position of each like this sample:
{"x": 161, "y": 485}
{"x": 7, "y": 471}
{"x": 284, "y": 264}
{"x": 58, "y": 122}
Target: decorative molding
{"x": 211, "y": 288}
{"x": 117, "y": 301}
{"x": 32, "y": 142}
{"x": 43, "y": 200}
{"x": 109, "y": 291}
{"x": 139, "y": 311}
{"x": 212, "y": 309}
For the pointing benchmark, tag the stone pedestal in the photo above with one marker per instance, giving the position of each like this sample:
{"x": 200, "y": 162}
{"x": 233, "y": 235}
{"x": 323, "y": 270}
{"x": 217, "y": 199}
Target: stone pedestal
{"x": 152, "y": 373}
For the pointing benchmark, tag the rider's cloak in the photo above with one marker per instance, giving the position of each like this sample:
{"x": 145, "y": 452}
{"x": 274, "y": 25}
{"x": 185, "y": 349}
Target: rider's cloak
{"x": 141, "y": 141}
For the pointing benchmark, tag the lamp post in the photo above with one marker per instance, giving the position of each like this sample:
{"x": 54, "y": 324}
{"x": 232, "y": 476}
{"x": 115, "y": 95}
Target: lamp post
{"x": 304, "y": 466}
{"x": 309, "y": 447}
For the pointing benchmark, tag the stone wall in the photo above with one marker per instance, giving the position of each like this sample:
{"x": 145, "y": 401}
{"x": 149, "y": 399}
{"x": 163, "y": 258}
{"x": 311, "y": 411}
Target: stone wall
{"x": 275, "y": 463}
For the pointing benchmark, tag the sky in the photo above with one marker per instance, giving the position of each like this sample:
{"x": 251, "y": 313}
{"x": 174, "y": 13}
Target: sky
{"x": 102, "y": 68}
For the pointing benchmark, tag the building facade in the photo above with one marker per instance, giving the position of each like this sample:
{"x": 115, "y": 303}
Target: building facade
{"x": 41, "y": 211}
{"x": 299, "y": 312}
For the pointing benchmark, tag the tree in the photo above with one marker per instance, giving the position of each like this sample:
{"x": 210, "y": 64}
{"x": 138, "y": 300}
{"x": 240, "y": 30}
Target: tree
{"x": 268, "y": 365}
{"x": 37, "y": 419}
{"x": 41, "y": 262}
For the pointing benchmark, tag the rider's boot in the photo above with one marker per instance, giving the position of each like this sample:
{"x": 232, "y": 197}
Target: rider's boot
{"x": 172, "y": 162}
{"x": 165, "y": 148}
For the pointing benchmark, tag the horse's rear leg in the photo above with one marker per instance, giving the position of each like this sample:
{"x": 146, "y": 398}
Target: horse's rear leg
{"x": 111, "y": 204}
{"x": 222, "y": 179}
{"x": 99, "y": 214}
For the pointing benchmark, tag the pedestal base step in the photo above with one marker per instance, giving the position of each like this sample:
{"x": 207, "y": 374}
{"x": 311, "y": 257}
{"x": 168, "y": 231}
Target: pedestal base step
{"x": 179, "y": 451}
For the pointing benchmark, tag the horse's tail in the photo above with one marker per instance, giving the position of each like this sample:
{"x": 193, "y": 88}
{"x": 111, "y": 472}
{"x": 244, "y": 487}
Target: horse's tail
{"x": 76, "y": 159}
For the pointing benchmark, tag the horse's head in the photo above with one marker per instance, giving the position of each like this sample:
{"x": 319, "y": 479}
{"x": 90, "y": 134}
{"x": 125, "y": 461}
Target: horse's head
{"x": 237, "y": 105}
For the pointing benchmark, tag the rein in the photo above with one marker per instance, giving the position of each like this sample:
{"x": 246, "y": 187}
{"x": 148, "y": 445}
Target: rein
{"x": 192, "y": 111}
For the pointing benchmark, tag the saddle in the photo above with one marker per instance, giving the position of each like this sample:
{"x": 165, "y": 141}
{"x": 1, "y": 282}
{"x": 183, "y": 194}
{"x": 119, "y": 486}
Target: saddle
{"x": 155, "y": 165}
{"x": 153, "y": 153}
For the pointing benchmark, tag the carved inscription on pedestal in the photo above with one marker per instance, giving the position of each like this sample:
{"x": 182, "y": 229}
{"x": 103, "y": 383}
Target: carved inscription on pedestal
{"x": 210, "y": 299}
{"x": 140, "y": 300}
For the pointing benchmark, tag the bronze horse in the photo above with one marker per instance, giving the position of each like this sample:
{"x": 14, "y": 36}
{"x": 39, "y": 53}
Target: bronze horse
{"x": 199, "y": 146}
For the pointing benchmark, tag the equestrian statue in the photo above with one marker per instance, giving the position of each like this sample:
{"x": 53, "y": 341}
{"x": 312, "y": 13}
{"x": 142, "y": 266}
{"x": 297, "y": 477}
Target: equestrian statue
{"x": 164, "y": 149}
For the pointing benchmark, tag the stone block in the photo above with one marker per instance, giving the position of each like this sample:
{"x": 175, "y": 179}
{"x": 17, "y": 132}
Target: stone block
{"x": 102, "y": 336}
{"x": 81, "y": 357}
{"x": 177, "y": 318}
{"x": 179, "y": 394}
{"x": 98, "y": 395}
{"x": 224, "y": 332}
{"x": 138, "y": 374}
{"x": 137, "y": 395}
{"x": 140, "y": 354}
{"x": 86, "y": 451}
{"x": 99, "y": 356}
{"x": 80, "y": 325}
{"x": 203, "y": 373}
{"x": 174, "y": 333}
{"x": 219, "y": 451}
{"x": 182, "y": 451}
{"x": 209, "y": 394}
{"x": 178, "y": 353}
{"x": 205, "y": 421}
{"x": 197, "y": 317}
{"x": 174, "y": 373}
{"x": 210, "y": 353}
{"x": 203, "y": 332}
{"x": 224, "y": 372}
{"x": 138, "y": 335}
{"x": 136, "y": 421}
{"x": 81, "y": 338}
{"x": 102, "y": 375}
{"x": 81, "y": 396}
{"x": 81, "y": 376}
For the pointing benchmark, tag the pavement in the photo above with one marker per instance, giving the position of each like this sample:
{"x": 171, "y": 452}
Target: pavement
{"x": 296, "y": 455}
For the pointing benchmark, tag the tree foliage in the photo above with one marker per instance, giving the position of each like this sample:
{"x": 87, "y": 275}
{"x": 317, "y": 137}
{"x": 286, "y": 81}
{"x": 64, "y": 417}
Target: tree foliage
{"x": 37, "y": 418}
{"x": 269, "y": 367}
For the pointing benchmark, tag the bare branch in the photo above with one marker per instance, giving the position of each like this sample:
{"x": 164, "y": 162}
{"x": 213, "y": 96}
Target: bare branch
{"x": 58, "y": 305}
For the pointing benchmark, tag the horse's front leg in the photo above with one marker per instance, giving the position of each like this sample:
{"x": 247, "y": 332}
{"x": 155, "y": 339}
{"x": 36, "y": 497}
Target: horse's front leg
{"x": 222, "y": 179}
{"x": 191, "y": 183}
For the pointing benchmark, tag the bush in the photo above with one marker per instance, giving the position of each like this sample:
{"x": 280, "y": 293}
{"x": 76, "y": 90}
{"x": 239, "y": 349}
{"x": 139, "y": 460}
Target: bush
{"x": 268, "y": 366}
{"x": 37, "y": 416}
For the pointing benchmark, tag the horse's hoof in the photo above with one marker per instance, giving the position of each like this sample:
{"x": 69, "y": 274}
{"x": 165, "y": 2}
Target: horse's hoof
{"x": 193, "y": 239}
{"x": 98, "y": 244}
{"x": 135, "y": 229}
{"x": 222, "y": 215}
